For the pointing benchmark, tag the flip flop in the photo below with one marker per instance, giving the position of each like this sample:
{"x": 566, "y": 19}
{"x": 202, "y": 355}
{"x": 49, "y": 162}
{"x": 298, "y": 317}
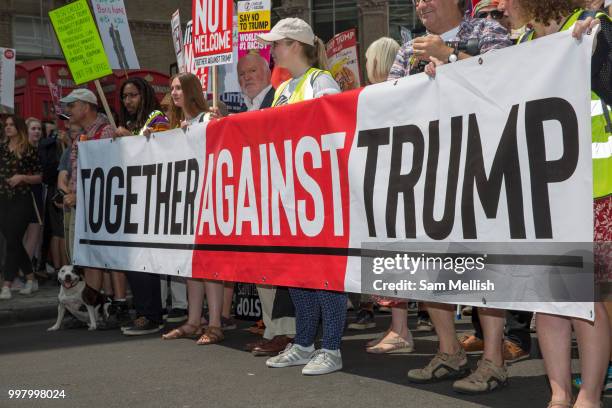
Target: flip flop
{"x": 392, "y": 346}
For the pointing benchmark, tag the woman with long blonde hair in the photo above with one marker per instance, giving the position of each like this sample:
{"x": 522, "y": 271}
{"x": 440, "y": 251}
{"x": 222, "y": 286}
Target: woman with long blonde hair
{"x": 190, "y": 107}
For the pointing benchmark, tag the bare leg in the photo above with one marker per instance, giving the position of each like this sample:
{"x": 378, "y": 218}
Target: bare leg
{"x": 31, "y": 239}
{"x": 608, "y": 306}
{"x": 594, "y": 347}
{"x": 492, "y": 321}
{"x": 118, "y": 279}
{"x": 228, "y": 295}
{"x": 399, "y": 321}
{"x": 94, "y": 278}
{"x": 214, "y": 296}
{"x": 554, "y": 337}
{"x": 443, "y": 319}
{"x": 107, "y": 284}
{"x": 62, "y": 252}
{"x": 195, "y": 296}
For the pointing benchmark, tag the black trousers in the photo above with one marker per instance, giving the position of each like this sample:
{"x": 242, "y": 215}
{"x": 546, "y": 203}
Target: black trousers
{"x": 15, "y": 215}
{"x": 146, "y": 290}
{"x": 517, "y": 327}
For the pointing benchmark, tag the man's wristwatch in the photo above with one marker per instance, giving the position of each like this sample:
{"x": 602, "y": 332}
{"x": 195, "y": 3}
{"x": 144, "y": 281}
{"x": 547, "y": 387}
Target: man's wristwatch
{"x": 454, "y": 56}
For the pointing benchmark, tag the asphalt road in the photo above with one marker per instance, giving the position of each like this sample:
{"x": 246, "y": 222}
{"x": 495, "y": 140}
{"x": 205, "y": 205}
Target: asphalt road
{"x": 106, "y": 369}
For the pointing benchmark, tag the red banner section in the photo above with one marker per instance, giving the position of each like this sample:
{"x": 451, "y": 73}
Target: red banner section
{"x": 275, "y": 202}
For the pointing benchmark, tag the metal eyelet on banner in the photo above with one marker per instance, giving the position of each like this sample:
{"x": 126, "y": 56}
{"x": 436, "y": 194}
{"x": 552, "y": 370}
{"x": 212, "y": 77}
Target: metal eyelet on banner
{"x": 144, "y": 268}
{"x": 178, "y": 272}
{"x": 484, "y": 301}
{"x": 263, "y": 278}
{"x": 480, "y": 61}
{"x": 395, "y": 82}
{"x": 326, "y": 284}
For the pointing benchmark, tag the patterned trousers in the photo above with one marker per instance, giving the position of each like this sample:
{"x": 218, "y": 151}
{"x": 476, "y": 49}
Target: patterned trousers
{"x": 310, "y": 305}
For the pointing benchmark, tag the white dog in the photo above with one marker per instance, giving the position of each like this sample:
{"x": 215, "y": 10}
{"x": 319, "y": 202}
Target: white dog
{"x": 83, "y": 302}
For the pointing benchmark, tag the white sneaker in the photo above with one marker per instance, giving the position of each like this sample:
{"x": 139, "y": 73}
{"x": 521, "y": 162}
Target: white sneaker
{"x": 5, "y": 294}
{"x": 292, "y": 356}
{"x": 30, "y": 287}
{"x": 17, "y": 284}
{"x": 323, "y": 362}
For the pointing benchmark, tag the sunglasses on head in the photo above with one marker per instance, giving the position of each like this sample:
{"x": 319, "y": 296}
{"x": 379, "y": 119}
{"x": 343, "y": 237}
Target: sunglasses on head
{"x": 495, "y": 14}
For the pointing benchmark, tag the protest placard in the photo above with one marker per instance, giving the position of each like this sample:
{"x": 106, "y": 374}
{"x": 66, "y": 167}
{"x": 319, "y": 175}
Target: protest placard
{"x": 7, "y": 80}
{"x": 54, "y": 89}
{"x": 115, "y": 32}
{"x": 189, "y": 60}
{"x": 212, "y": 32}
{"x": 253, "y": 19}
{"x": 78, "y": 36}
{"x": 343, "y": 60}
{"x": 177, "y": 40}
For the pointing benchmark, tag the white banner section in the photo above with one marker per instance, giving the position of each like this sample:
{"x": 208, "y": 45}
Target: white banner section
{"x": 140, "y": 190}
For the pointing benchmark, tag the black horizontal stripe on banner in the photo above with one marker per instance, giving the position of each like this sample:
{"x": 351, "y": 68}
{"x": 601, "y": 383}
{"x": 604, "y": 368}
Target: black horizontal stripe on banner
{"x": 571, "y": 261}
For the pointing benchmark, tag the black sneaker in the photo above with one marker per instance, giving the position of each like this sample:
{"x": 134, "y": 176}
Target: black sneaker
{"x": 363, "y": 321}
{"x": 119, "y": 316}
{"x": 176, "y": 316}
{"x": 141, "y": 326}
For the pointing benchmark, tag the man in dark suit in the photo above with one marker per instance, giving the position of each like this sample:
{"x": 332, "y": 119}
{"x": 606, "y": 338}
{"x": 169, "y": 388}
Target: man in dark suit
{"x": 277, "y": 308}
{"x": 254, "y": 78}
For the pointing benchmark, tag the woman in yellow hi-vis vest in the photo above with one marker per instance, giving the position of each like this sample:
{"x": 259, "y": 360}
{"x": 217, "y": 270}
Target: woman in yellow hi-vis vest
{"x": 297, "y": 49}
{"x": 554, "y": 332}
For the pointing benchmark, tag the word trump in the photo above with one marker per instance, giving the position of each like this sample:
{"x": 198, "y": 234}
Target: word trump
{"x": 505, "y": 174}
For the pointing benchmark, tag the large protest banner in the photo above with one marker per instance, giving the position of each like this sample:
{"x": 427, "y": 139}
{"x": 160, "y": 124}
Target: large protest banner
{"x": 343, "y": 59}
{"x": 253, "y": 19}
{"x": 7, "y": 80}
{"x": 301, "y": 195}
{"x": 78, "y": 36}
{"x": 115, "y": 32}
{"x": 212, "y": 32}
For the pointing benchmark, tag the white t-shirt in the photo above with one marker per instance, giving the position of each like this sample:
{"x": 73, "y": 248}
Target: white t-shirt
{"x": 201, "y": 117}
{"x": 323, "y": 84}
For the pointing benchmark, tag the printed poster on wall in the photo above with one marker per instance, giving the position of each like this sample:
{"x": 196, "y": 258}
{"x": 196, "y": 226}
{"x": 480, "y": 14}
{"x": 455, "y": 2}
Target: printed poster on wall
{"x": 343, "y": 59}
{"x": 253, "y": 19}
{"x": 7, "y": 80}
{"x": 115, "y": 32}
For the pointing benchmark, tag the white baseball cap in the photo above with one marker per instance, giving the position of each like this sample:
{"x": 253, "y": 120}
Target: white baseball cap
{"x": 80, "y": 94}
{"x": 292, "y": 28}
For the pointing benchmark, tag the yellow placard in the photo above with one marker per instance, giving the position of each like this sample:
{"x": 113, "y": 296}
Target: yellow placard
{"x": 80, "y": 41}
{"x": 254, "y": 21}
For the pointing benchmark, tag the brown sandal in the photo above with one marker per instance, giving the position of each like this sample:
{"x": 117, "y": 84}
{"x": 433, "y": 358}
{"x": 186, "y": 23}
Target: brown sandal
{"x": 181, "y": 333}
{"x": 212, "y": 335}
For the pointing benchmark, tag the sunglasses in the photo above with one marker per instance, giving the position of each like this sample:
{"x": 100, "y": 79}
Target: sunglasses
{"x": 495, "y": 14}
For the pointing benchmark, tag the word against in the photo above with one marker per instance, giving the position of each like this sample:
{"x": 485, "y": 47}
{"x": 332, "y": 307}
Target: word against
{"x": 249, "y": 196}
